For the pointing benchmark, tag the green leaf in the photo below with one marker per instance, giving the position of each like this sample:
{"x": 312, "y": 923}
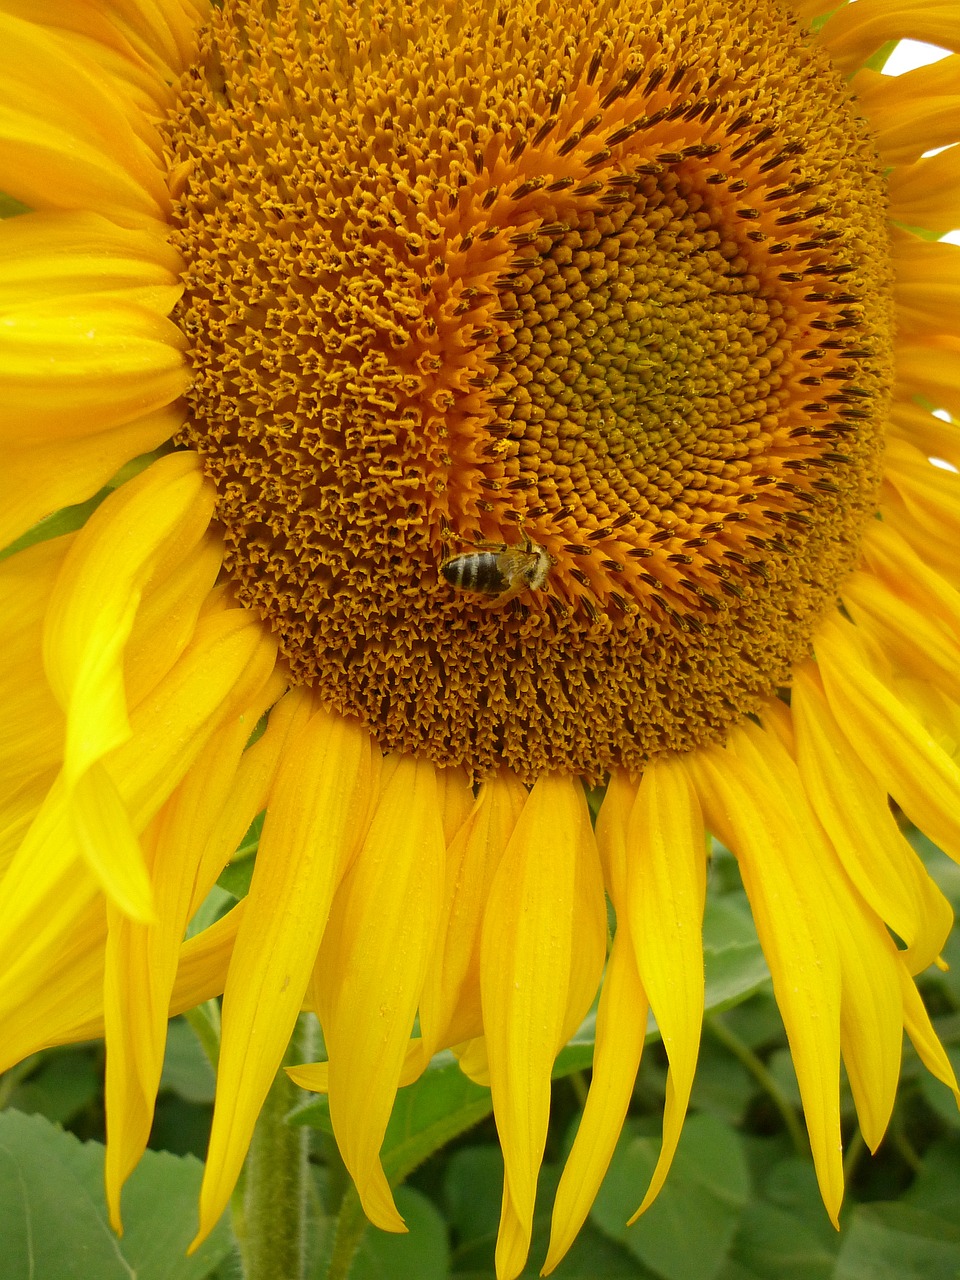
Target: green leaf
{"x": 53, "y": 1219}
{"x": 936, "y": 1187}
{"x": 421, "y": 1254}
{"x": 896, "y": 1242}
{"x": 186, "y": 1068}
{"x": 773, "y": 1244}
{"x": 734, "y": 963}
{"x": 65, "y": 1084}
{"x": 708, "y": 1186}
{"x": 472, "y": 1188}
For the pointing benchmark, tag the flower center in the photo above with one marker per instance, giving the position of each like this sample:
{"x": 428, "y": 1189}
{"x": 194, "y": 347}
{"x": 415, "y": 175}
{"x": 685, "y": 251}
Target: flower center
{"x": 542, "y": 356}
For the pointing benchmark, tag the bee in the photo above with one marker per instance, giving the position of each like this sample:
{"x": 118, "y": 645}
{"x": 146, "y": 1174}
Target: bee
{"x": 499, "y": 571}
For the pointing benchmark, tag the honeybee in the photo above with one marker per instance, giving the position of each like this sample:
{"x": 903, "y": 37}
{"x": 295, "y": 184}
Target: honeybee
{"x": 499, "y": 571}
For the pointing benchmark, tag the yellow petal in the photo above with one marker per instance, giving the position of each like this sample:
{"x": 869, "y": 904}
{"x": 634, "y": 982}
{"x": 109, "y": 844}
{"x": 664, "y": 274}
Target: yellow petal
{"x": 621, "y": 1027}
{"x": 170, "y": 611}
{"x": 31, "y": 721}
{"x": 927, "y": 288}
{"x": 930, "y": 370}
{"x": 667, "y": 885}
{"x": 95, "y": 599}
{"x": 316, "y": 814}
{"x": 371, "y": 971}
{"x": 455, "y": 796}
{"x": 888, "y": 738}
{"x": 48, "y": 256}
{"x": 450, "y": 1001}
{"x": 474, "y": 1061}
{"x": 142, "y": 959}
{"x": 871, "y": 1019}
{"x": 252, "y": 784}
{"x": 100, "y": 39}
{"x": 926, "y": 432}
{"x": 854, "y": 32}
{"x": 43, "y": 478}
{"x": 923, "y": 1037}
{"x": 525, "y": 960}
{"x": 912, "y": 113}
{"x": 853, "y": 809}
{"x": 612, "y": 822}
{"x": 47, "y": 886}
{"x": 794, "y": 915}
{"x": 915, "y": 639}
{"x": 69, "y": 143}
{"x": 223, "y": 669}
{"x": 927, "y": 192}
{"x": 79, "y": 366}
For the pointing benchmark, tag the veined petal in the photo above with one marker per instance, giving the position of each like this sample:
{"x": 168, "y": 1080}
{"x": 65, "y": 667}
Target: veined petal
{"x": 667, "y": 884}
{"x": 525, "y": 973}
{"x": 450, "y": 1000}
{"x": 871, "y": 1021}
{"x": 927, "y": 288}
{"x": 912, "y": 113}
{"x": 371, "y": 971}
{"x": 47, "y": 476}
{"x": 99, "y": 39}
{"x": 612, "y": 823}
{"x": 795, "y": 918}
{"x": 913, "y": 638}
{"x": 855, "y": 31}
{"x": 588, "y": 956}
{"x": 85, "y": 365}
{"x": 95, "y": 599}
{"x": 924, "y": 1039}
{"x": 253, "y": 783}
{"x": 32, "y": 723}
{"x": 621, "y": 1027}
{"x": 926, "y": 193}
{"x": 474, "y": 1060}
{"x": 317, "y": 812}
{"x": 46, "y": 256}
{"x": 91, "y": 158}
{"x": 891, "y": 741}
{"x": 47, "y": 885}
{"x": 930, "y": 370}
{"x": 853, "y": 809}
{"x": 455, "y": 797}
{"x": 895, "y": 563}
{"x": 141, "y": 959}
{"x": 62, "y": 996}
{"x": 934, "y": 437}
{"x": 228, "y": 662}
{"x": 177, "y": 593}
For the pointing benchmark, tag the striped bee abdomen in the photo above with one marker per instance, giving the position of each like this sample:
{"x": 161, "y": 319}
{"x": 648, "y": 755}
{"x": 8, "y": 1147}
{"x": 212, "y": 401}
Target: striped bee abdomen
{"x": 478, "y": 571}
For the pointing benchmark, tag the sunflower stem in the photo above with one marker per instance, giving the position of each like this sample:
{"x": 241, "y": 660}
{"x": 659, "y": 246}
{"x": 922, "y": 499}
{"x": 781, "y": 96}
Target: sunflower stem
{"x": 351, "y": 1225}
{"x": 722, "y": 1033}
{"x": 271, "y": 1227}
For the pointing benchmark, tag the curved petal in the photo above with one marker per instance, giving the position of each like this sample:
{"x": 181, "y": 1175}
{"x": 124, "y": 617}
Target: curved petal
{"x": 853, "y": 809}
{"x": 888, "y": 738}
{"x": 371, "y": 971}
{"x": 525, "y": 970}
{"x": 450, "y": 1000}
{"x": 317, "y": 812}
{"x": 855, "y": 31}
{"x": 667, "y": 887}
{"x": 795, "y": 918}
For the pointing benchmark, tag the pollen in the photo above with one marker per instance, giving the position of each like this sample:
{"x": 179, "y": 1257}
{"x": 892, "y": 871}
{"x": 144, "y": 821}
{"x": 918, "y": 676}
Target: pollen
{"x": 610, "y": 280}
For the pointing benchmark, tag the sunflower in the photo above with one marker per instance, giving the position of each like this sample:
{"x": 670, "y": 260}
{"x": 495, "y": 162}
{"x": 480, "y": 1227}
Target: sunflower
{"x": 467, "y": 402}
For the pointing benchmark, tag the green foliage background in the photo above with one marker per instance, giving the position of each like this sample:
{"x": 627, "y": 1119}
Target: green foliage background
{"x": 741, "y": 1202}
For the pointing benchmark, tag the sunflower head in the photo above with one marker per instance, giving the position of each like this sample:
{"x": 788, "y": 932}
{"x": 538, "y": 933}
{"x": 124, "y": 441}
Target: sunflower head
{"x": 463, "y": 278}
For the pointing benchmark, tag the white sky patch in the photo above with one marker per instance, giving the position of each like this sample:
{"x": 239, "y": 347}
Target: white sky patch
{"x": 910, "y": 54}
